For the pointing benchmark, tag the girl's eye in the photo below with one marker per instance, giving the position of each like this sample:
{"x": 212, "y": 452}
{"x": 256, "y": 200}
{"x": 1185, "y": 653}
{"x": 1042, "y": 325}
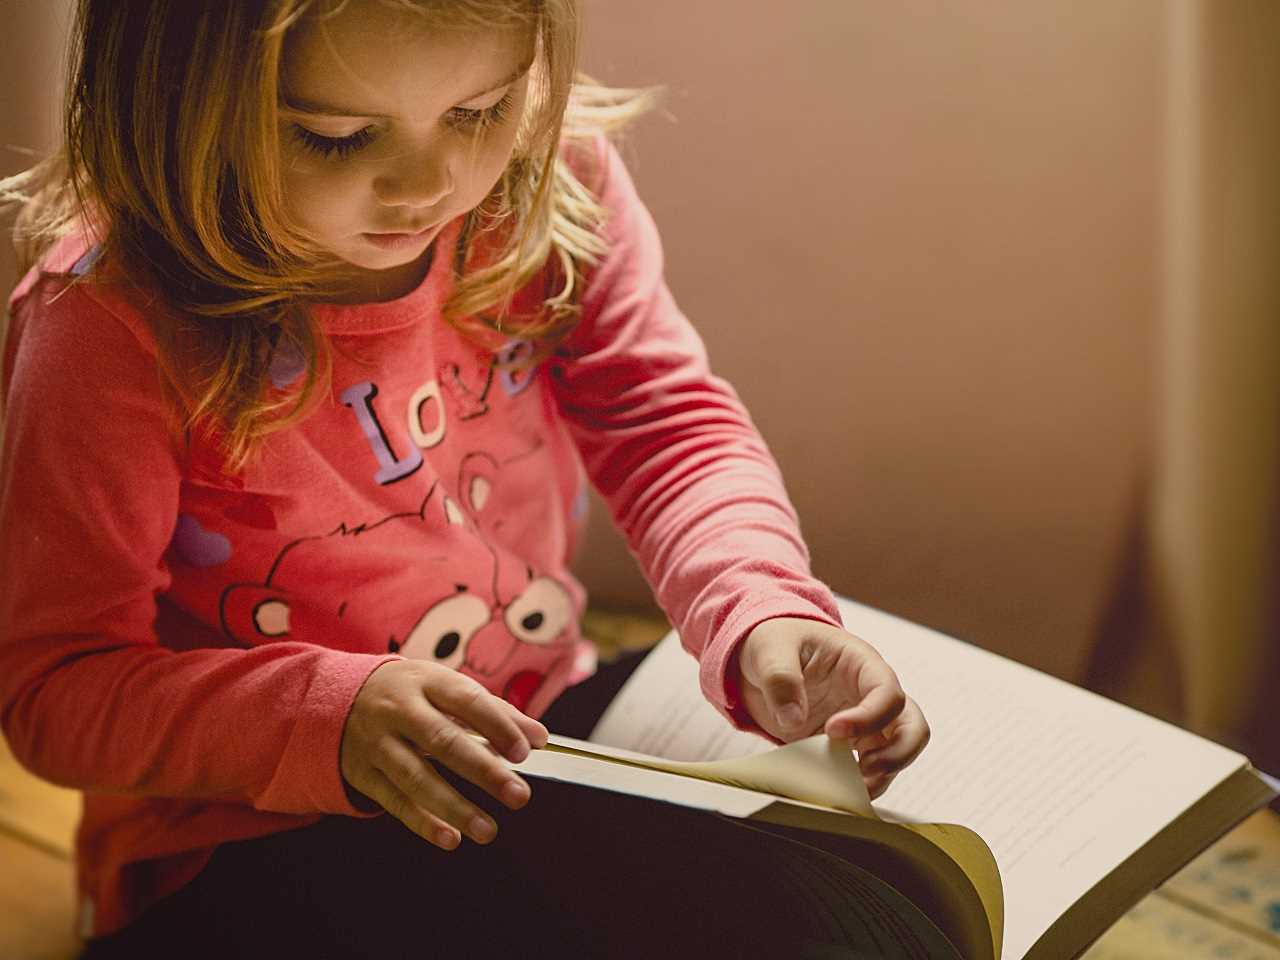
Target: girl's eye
{"x": 482, "y": 119}
{"x": 341, "y": 147}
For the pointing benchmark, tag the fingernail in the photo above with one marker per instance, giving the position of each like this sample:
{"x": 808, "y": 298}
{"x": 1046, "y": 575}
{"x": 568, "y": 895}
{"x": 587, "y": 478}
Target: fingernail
{"x": 515, "y": 793}
{"x": 447, "y": 838}
{"x": 482, "y": 830}
{"x": 790, "y": 715}
{"x": 518, "y": 753}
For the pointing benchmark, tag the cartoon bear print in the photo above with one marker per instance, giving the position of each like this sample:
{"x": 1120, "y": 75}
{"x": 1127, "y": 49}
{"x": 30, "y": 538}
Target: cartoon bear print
{"x": 459, "y": 605}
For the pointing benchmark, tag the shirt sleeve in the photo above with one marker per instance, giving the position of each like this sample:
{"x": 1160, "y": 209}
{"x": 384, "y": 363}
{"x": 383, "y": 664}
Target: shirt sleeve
{"x": 686, "y": 475}
{"x": 89, "y": 698}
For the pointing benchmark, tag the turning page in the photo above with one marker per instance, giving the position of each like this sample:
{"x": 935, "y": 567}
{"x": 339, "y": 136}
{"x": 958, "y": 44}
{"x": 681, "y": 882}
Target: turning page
{"x": 815, "y": 770}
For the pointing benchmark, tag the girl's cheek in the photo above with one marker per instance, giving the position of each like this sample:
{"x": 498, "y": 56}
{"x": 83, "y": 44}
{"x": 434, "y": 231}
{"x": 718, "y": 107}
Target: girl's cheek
{"x": 319, "y": 194}
{"x": 495, "y": 160}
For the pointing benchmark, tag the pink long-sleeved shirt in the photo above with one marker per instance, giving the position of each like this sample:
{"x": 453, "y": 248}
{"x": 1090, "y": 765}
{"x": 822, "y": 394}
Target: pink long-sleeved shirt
{"x": 184, "y": 645}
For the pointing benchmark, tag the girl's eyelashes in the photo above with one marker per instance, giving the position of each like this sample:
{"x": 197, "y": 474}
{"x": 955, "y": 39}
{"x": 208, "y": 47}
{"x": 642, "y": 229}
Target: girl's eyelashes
{"x": 341, "y": 147}
{"x": 480, "y": 119}
{"x": 459, "y": 117}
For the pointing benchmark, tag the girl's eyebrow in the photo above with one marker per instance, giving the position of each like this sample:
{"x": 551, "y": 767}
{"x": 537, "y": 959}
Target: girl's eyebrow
{"x": 338, "y": 110}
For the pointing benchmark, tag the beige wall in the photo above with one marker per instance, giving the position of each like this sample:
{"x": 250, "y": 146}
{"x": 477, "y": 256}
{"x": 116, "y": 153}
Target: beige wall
{"x": 920, "y": 240}
{"x": 31, "y": 49}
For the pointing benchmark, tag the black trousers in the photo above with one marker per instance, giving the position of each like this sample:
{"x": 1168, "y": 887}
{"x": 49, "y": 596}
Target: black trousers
{"x": 567, "y": 876}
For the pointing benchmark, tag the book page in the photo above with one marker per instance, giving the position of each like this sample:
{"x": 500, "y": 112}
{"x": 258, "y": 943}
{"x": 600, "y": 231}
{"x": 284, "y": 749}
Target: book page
{"x": 643, "y": 782}
{"x": 1062, "y": 784}
{"x": 862, "y": 915}
{"x": 946, "y": 870}
{"x": 815, "y": 770}
{"x": 660, "y": 711}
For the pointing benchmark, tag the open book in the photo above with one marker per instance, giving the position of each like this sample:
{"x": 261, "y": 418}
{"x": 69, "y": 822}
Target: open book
{"x": 1039, "y": 813}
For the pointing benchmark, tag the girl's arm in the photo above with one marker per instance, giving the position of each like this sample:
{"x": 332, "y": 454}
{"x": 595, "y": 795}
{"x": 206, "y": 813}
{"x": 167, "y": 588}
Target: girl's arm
{"x": 89, "y": 486}
{"x": 669, "y": 445}
{"x": 690, "y": 482}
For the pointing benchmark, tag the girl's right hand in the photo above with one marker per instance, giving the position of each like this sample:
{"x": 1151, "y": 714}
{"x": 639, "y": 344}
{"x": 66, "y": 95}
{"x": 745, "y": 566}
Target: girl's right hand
{"x": 409, "y": 710}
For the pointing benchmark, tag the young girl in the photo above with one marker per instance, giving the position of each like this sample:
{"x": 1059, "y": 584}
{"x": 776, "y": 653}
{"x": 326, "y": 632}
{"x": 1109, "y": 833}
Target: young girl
{"x": 335, "y": 308}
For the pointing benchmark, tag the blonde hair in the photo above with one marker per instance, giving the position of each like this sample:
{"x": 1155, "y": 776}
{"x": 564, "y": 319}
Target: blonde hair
{"x": 170, "y": 158}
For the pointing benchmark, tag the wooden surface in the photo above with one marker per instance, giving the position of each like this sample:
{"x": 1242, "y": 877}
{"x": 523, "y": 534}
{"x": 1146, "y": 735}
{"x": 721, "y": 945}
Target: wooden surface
{"x": 37, "y": 891}
{"x": 1224, "y": 904}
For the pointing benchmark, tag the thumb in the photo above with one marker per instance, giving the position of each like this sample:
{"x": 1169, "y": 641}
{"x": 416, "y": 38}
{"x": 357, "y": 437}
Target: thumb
{"x": 778, "y": 675}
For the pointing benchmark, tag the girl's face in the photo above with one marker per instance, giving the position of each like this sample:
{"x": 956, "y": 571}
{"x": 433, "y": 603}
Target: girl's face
{"x": 389, "y": 130}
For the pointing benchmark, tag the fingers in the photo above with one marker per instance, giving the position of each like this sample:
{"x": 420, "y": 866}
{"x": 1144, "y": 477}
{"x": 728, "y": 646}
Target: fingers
{"x": 405, "y": 712}
{"x": 435, "y": 735}
{"x": 910, "y": 735}
{"x": 849, "y": 684}
{"x": 534, "y": 731}
{"x": 878, "y": 784}
{"x": 881, "y": 703}
{"x": 425, "y": 792}
{"x": 508, "y": 730}
{"x": 433, "y": 828}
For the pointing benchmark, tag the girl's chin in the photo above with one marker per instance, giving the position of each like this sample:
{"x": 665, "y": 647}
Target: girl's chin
{"x": 383, "y": 278}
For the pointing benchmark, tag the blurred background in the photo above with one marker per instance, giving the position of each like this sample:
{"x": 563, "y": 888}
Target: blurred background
{"x": 1000, "y": 284}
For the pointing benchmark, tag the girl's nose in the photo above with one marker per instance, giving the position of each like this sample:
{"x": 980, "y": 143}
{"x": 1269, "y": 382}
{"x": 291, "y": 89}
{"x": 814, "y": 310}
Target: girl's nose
{"x": 416, "y": 180}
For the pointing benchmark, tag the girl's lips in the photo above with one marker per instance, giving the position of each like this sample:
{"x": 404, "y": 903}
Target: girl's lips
{"x": 399, "y": 241}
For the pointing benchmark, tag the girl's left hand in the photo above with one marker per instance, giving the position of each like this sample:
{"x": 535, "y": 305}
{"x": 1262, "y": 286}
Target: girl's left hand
{"x": 800, "y": 676}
